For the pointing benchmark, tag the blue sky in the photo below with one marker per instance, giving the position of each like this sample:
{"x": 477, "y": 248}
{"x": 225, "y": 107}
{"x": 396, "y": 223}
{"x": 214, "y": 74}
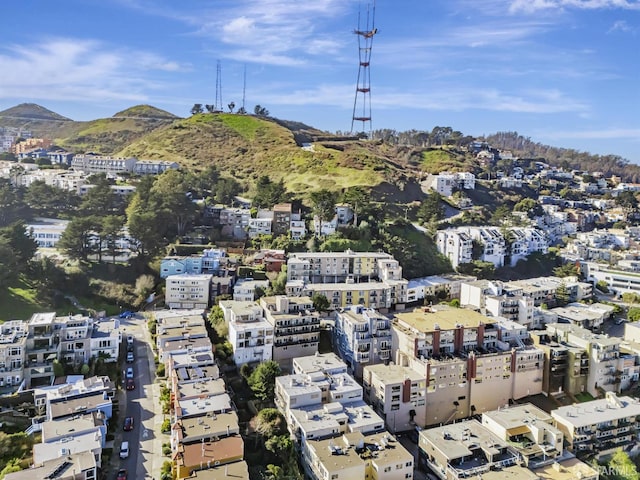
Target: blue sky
{"x": 563, "y": 72}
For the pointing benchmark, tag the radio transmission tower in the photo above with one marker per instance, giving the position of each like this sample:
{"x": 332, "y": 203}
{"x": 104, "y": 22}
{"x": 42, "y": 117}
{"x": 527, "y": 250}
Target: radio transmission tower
{"x": 218, "y": 106}
{"x": 362, "y": 101}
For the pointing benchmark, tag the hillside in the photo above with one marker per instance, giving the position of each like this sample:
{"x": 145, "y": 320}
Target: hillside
{"x": 146, "y": 111}
{"x": 248, "y": 147}
{"x": 32, "y": 111}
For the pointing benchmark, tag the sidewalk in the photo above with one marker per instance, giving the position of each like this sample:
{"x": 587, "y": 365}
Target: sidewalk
{"x": 157, "y": 459}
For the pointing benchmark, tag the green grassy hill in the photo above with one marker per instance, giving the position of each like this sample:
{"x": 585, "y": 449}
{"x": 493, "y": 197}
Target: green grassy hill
{"x": 248, "y": 147}
{"x": 243, "y": 146}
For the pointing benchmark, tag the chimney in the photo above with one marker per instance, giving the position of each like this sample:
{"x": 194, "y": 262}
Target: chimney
{"x": 458, "y": 338}
{"x": 436, "y": 340}
{"x": 480, "y": 334}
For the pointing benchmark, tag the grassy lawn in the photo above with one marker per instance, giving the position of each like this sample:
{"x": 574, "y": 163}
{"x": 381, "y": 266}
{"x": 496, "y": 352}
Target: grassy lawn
{"x": 584, "y": 397}
{"x": 20, "y": 301}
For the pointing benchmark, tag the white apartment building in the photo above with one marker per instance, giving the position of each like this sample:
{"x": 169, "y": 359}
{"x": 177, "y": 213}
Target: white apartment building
{"x": 153, "y": 167}
{"x": 457, "y": 244}
{"x": 102, "y": 164}
{"x": 469, "y": 450}
{"x": 445, "y": 183}
{"x": 261, "y": 225}
{"x": 296, "y": 327}
{"x": 398, "y": 394}
{"x": 603, "y": 353}
{"x": 354, "y": 455}
{"x": 530, "y": 430}
{"x": 618, "y": 280}
{"x": 363, "y": 337}
{"x": 13, "y": 343}
{"x": 46, "y": 231}
{"x": 250, "y": 334}
{"x": 436, "y": 286}
{"x": 188, "y": 291}
{"x": 600, "y": 426}
{"x": 244, "y": 289}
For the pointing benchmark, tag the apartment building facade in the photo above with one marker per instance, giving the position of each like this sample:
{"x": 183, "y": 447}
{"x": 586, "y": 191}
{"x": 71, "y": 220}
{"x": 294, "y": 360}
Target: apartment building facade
{"x": 469, "y": 364}
{"x": 188, "y": 291}
{"x": 250, "y": 334}
{"x": 600, "y": 426}
{"x": 398, "y": 394}
{"x": 363, "y": 337}
{"x": 13, "y": 350}
{"x": 296, "y": 327}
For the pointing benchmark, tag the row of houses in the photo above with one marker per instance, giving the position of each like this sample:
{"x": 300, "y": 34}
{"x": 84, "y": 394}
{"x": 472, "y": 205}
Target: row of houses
{"x": 337, "y": 434}
{"x": 73, "y": 418}
{"x": 205, "y": 432}
{"x": 466, "y": 244}
{"x": 29, "y": 348}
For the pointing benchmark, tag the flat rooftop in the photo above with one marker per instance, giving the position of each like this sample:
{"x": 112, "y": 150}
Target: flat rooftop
{"x": 218, "y": 425}
{"x": 455, "y": 440}
{"x": 179, "y": 316}
{"x": 426, "y": 319}
{"x": 583, "y": 333}
{"x": 597, "y": 411}
{"x": 77, "y": 405}
{"x": 320, "y": 362}
{"x": 190, "y": 373}
{"x": 201, "y": 388}
{"x": 65, "y": 466}
{"x": 239, "y": 470}
{"x": 568, "y": 469}
{"x": 389, "y": 374}
{"x": 518, "y": 415}
{"x": 202, "y": 406}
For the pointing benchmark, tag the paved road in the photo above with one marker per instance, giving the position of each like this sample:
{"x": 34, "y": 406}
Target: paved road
{"x": 144, "y": 445}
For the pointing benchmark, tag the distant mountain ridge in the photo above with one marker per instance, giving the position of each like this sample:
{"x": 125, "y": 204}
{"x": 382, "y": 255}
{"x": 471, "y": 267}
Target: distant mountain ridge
{"x": 249, "y": 146}
{"x": 33, "y": 111}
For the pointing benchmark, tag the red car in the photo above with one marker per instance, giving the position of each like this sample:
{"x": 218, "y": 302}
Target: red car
{"x": 122, "y": 474}
{"x": 128, "y": 424}
{"x": 131, "y": 384}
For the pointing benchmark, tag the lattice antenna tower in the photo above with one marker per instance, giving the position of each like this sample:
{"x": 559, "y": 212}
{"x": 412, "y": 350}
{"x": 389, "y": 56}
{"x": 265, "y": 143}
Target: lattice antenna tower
{"x": 244, "y": 86}
{"x": 362, "y": 101}
{"x": 218, "y": 105}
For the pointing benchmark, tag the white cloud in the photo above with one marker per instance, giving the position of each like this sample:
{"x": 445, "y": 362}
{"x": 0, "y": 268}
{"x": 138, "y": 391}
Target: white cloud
{"x": 448, "y": 99}
{"x": 281, "y": 32}
{"x": 530, "y": 6}
{"x": 74, "y": 69}
{"x": 621, "y": 26}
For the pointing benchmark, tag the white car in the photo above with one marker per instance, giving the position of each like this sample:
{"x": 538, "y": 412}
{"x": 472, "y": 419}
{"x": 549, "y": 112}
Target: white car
{"x": 129, "y": 372}
{"x": 124, "y": 449}
{"x": 130, "y": 357}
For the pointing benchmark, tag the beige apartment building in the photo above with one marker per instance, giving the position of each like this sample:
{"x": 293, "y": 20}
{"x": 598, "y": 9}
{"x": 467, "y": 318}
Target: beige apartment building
{"x": 188, "y": 291}
{"x": 296, "y": 327}
{"x": 348, "y": 278}
{"x": 398, "y": 394}
{"x": 469, "y": 450}
{"x": 530, "y": 430}
{"x": 357, "y": 456}
{"x": 469, "y": 367}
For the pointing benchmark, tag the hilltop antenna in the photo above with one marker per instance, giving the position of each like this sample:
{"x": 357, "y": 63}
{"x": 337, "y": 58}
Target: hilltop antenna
{"x": 218, "y": 105}
{"x": 362, "y": 101}
{"x": 244, "y": 86}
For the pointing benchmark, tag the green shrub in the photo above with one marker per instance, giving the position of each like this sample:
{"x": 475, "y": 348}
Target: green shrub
{"x": 166, "y": 426}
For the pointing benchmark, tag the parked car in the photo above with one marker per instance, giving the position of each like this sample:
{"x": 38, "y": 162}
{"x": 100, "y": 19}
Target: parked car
{"x": 130, "y": 357}
{"x": 124, "y": 449}
{"x": 131, "y": 384}
{"x": 122, "y": 474}
{"x": 128, "y": 424}
{"x": 129, "y": 372}
{"x": 126, "y": 314}
{"x": 129, "y": 342}
{"x": 620, "y": 321}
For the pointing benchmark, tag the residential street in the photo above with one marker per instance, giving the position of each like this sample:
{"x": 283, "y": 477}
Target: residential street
{"x": 145, "y": 444}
